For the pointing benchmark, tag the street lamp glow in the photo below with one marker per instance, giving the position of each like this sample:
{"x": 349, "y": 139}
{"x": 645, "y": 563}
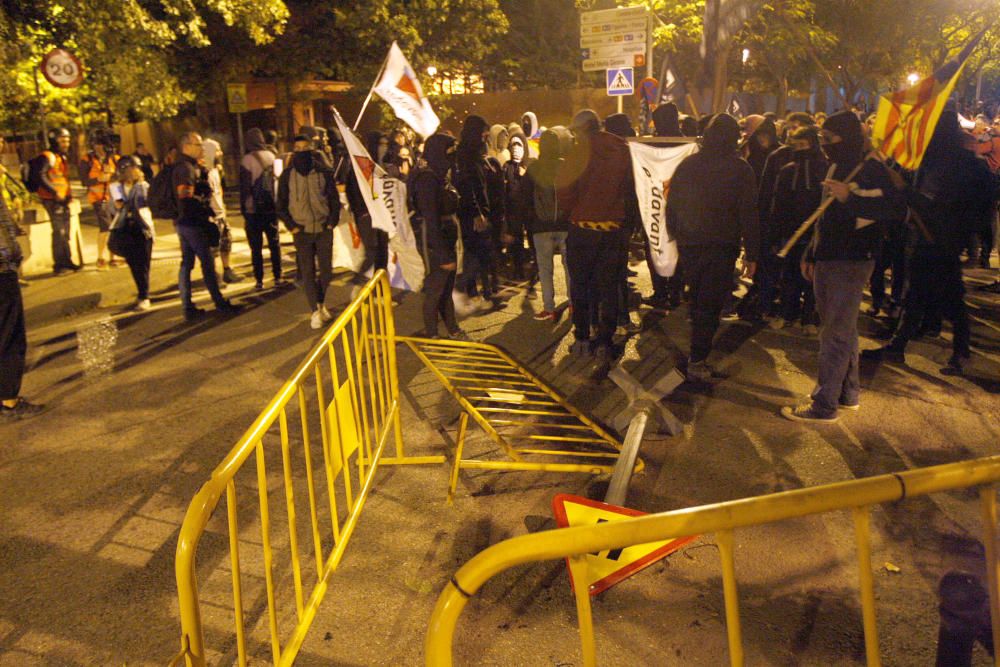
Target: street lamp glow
{"x": 746, "y": 56}
{"x": 913, "y": 78}
{"x": 431, "y": 70}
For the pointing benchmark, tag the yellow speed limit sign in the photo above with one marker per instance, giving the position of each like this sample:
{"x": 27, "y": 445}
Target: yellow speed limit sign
{"x": 236, "y": 97}
{"x": 62, "y": 69}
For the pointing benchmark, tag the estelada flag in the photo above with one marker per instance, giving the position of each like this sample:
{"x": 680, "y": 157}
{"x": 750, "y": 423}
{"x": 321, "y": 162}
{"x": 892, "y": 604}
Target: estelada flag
{"x": 906, "y": 119}
{"x": 370, "y": 177}
{"x": 400, "y": 87}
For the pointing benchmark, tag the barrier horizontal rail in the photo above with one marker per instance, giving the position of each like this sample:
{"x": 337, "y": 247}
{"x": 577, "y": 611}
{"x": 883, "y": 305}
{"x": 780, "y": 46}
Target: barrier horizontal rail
{"x": 531, "y": 422}
{"x": 355, "y": 361}
{"x": 723, "y": 519}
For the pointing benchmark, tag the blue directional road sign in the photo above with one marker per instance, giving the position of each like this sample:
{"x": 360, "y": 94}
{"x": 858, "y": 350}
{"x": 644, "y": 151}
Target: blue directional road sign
{"x": 621, "y": 81}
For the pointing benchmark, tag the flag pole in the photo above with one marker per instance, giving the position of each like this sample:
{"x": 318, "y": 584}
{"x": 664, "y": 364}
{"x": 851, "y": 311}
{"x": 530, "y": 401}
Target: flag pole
{"x": 371, "y": 91}
{"x": 804, "y": 227}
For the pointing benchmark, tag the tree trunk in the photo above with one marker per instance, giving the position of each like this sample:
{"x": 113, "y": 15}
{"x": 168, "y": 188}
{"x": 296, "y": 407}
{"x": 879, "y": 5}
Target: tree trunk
{"x": 782, "y": 103}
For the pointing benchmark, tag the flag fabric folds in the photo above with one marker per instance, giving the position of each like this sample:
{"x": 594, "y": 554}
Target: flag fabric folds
{"x": 672, "y": 88}
{"x": 400, "y": 87}
{"x": 906, "y": 119}
{"x": 653, "y": 167}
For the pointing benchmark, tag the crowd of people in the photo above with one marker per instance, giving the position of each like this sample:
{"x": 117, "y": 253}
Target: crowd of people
{"x": 505, "y": 200}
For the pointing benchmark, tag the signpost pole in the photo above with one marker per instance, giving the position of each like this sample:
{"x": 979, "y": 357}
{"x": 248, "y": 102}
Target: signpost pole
{"x": 239, "y": 132}
{"x": 41, "y": 112}
{"x": 620, "y": 104}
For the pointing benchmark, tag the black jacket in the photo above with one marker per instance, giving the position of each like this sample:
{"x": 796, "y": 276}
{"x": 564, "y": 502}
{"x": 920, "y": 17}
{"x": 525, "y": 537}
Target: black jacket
{"x": 798, "y": 192}
{"x": 713, "y": 201}
{"x": 519, "y": 208}
{"x": 190, "y": 186}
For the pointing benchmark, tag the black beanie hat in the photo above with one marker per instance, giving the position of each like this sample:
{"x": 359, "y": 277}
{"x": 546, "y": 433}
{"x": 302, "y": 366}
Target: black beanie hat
{"x": 619, "y": 124}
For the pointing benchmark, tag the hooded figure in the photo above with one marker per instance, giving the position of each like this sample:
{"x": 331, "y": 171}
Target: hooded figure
{"x": 475, "y": 210}
{"x": 712, "y": 211}
{"x": 497, "y": 145}
{"x": 666, "y": 121}
{"x": 762, "y": 140}
{"x": 257, "y": 204}
{"x": 619, "y": 125}
{"x": 518, "y": 206}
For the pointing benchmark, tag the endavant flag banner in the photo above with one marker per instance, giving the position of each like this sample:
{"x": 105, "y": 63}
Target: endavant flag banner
{"x": 653, "y": 168}
{"x": 400, "y": 87}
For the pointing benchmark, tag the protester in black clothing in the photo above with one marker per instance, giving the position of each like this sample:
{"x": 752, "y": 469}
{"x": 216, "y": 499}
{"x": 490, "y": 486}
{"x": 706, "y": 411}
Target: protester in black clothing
{"x": 517, "y": 201}
{"x": 257, "y": 204}
{"x": 434, "y": 205}
{"x": 474, "y": 212}
{"x": 951, "y": 190}
{"x": 712, "y": 210}
{"x": 798, "y": 192}
{"x": 760, "y": 142}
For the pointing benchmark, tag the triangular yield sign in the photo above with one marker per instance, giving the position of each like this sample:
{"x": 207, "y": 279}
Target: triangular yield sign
{"x": 607, "y": 568}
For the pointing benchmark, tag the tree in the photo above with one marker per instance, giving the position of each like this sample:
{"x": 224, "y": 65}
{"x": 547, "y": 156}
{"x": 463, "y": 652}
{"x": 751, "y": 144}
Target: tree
{"x": 541, "y": 48}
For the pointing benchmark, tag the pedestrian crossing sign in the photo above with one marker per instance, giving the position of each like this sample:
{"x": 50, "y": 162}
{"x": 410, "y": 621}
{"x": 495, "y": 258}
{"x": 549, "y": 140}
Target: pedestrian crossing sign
{"x": 621, "y": 81}
{"x": 606, "y": 568}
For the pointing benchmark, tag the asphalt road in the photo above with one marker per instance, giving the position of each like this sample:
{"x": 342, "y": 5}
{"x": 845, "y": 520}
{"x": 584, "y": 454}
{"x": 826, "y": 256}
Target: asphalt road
{"x": 141, "y": 409}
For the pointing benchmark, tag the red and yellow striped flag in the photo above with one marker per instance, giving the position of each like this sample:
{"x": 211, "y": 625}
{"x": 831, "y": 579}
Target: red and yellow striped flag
{"x": 906, "y": 119}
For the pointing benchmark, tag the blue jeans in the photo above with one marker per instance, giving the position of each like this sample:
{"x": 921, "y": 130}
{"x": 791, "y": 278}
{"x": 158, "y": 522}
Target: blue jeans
{"x": 546, "y": 244}
{"x": 838, "y": 285}
{"x": 195, "y": 243}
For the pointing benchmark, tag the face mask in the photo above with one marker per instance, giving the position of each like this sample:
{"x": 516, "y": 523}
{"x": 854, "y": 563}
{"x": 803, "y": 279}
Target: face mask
{"x": 516, "y": 151}
{"x": 837, "y": 153}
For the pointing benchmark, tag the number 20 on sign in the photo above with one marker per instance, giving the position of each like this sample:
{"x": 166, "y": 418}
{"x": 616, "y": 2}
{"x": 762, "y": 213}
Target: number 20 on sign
{"x": 62, "y": 69}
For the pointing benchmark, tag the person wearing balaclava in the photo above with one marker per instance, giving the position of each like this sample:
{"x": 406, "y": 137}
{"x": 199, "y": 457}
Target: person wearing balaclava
{"x": 798, "y": 192}
{"x": 257, "y": 205}
{"x": 498, "y": 144}
{"x": 839, "y": 261}
{"x": 950, "y": 192}
{"x": 475, "y": 214}
{"x": 592, "y": 186}
{"x": 517, "y": 204}
{"x": 309, "y": 206}
{"x": 666, "y": 120}
{"x": 434, "y": 207}
{"x": 712, "y": 212}
{"x": 760, "y": 142}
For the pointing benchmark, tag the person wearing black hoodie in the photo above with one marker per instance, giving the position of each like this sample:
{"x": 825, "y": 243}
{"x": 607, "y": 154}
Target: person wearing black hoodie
{"x": 712, "y": 210}
{"x": 951, "y": 189}
{"x": 839, "y": 261}
{"x": 434, "y": 209}
{"x": 474, "y": 210}
{"x": 517, "y": 205}
{"x": 257, "y": 206}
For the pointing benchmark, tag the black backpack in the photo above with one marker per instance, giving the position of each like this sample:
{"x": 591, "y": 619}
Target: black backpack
{"x": 161, "y": 199}
{"x": 37, "y": 166}
{"x": 262, "y": 190}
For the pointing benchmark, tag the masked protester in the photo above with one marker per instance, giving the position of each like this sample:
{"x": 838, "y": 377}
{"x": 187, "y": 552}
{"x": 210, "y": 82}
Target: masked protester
{"x": 517, "y": 202}
{"x": 839, "y": 261}
{"x": 473, "y": 173}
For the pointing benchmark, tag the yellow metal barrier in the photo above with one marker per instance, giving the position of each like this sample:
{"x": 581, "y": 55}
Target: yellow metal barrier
{"x": 512, "y": 405}
{"x": 355, "y": 364}
{"x": 722, "y": 519}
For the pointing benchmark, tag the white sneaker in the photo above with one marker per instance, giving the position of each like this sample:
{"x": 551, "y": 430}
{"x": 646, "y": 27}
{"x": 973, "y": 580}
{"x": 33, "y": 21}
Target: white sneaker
{"x": 143, "y": 305}
{"x": 325, "y": 314}
{"x": 316, "y": 321}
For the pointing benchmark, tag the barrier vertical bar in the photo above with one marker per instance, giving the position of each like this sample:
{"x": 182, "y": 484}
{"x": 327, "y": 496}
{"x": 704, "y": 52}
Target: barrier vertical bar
{"x": 348, "y": 491}
{"x": 293, "y": 535}
{"x": 463, "y": 423}
{"x": 234, "y": 554}
{"x": 304, "y": 410}
{"x": 369, "y": 366}
{"x": 988, "y": 507}
{"x": 317, "y": 541}
{"x": 584, "y": 613}
{"x": 265, "y": 532}
{"x": 862, "y": 535}
{"x": 376, "y": 370}
{"x": 365, "y": 444}
{"x": 724, "y": 540}
{"x": 390, "y": 336}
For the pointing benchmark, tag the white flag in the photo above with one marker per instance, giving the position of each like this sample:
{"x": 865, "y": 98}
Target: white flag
{"x": 400, "y": 87}
{"x": 653, "y": 168}
{"x": 370, "y": 178}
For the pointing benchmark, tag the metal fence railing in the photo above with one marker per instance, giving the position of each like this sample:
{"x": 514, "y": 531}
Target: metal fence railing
{"x": 722, "y": 519}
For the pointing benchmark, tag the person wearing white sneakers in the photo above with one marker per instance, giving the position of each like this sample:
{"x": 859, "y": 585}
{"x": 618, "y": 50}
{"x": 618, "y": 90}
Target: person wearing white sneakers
{"x": 131, "y": 229}
{"x": 309, "y": 205}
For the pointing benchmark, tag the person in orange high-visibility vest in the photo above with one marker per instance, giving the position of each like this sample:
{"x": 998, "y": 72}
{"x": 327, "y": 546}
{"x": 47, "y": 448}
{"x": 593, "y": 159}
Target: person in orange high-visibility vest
{"x": 55, "y": 193}
{"x": 97, "y": 171}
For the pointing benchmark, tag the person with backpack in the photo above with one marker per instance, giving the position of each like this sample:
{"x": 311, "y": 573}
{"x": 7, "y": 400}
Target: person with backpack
{"x": 257, "y": 204}
{"x": 48, "y": 177}
{"x": 97, "y": 171}
{"x": 131, "y": 229}
{"x": 195, "y": 225}
{"x": 435, "y": 204}
{"x": 548, "y": 224}
{"x": 309, "y": 205}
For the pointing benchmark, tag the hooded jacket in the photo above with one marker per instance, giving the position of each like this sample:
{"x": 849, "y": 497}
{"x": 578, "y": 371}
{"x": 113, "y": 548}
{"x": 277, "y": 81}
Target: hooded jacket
{"x": 307, "y": 194}
{"x": 797, "y": 192}
{"x": 546, "y": 215}
{"x": 498, "y": 144}
{"x": 713, "y": 194}
{"x": 756, "y": 153}
{"x": 666, "y": 120}
{"x": 518, "y": 205}
{"x": 470, "y": 171}
{"x": 426, "y": 189}
{"x": 850, "y": 230}
{"x": 257, "y": 158}
{"x": 595, "y": 179}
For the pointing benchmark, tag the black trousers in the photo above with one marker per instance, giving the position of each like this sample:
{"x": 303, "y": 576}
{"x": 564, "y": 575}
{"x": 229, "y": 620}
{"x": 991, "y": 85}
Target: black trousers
{"x": 892, "y": 257}
{"x": 13, "y": 339}
{"x": 708, "y": 271}
{"x": 595, "y": 260}
{"x": 62, "y": 258}
{"x": 376, "y": 244}
{"x": 261, "y": 226}
{"x": 438, "y": 286}
{"x": 797, "y": 297}
{"x": 310, "y": 250}
{"x": 934, "y": 286}
{"x": 138, "y": 258}
{"x": 478, "y": 264}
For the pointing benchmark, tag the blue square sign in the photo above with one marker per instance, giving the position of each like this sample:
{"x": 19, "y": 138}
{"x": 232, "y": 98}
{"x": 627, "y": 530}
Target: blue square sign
{"x": 621, "y": 81}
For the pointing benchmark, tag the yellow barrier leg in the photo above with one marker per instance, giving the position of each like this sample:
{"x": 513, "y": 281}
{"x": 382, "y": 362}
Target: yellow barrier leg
{"x": 724, "y": 539}
{"x": 988, "y": 504}
{"x": 462, "y": 426}
{"x": 862, "y": 535}
{"x": 581, "y": 591}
